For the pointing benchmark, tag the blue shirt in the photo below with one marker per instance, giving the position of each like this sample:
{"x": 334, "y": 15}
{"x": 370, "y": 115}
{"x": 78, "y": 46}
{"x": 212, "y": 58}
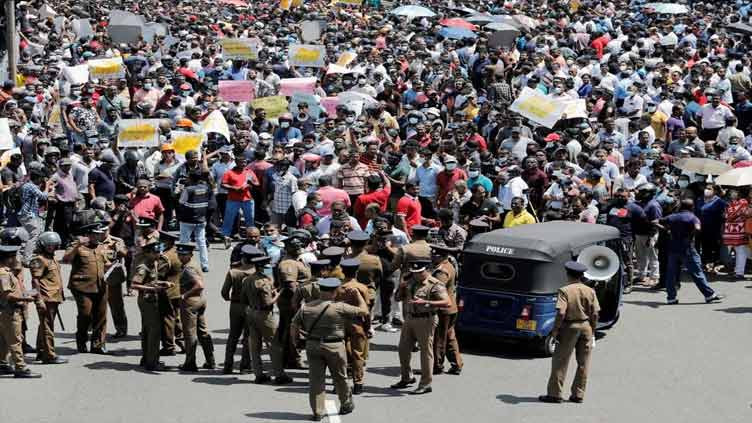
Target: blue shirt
{"x": 30, "y": 197}
{"x": 104, "y": 183}
{"x": 482, "y": 180}
{"x": 681, "y": 227}
{"x": 426, "y": 177}
{"x": 282, "y": 136}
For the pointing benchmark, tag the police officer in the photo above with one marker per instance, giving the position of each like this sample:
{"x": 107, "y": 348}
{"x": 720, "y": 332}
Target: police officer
{"x": 192, "y": 210}
{"x": 370, "y": 270}
{"x": 417, "y": 249}
{"x": 169, "y": 268}
{"x": 192, "y": 311}
{"x": 87, "y": 283}
{"x": 260, "y": 296}
{"x": 19, "y": 236}
{"x": 323, "y": 322}
{"x": 147, "y": 234}
{"x": 577, "y": 314}
{"x": 356, "y": 330}
{"x": 46, "y": 279}
{"x": 11, "y": 299}
{"x": 334, "y": 255}
{"x": 115, "y": 276}
{"x": 422, "y": 295}
{"x": 145, "y": 280}
{"x": 292, "y": 272}
{"x": 232, "y": 291}
{"x": 310, "y": 291}
{"x": 445, "y": 343}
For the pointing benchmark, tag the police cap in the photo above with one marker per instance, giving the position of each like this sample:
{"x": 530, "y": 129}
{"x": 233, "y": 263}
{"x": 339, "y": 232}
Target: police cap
{"x": 358, "y": 236}
{"x": 575, "y": 267}
{"x": 333, "y": 251}
{"x": 329, "y": 284}
{"x": 185, "y": 247}
{"x": 169, "y": 235}
{"x": 250, "y": 251}
{"x": 351, "y": 262}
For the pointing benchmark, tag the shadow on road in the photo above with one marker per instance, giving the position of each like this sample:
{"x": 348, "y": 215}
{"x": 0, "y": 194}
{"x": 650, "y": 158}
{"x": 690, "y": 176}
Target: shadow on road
{"x": 379, "y": 392}
{"x": 382, "y": 347}
{"x": 221, "y": 381}
{"x": 514, "y": 399}
{"x": 278, "y": 415}
{"x": 651, "y": 304}
{"x": 121, "y": 367}
{"x": 736, "y": 310}
{"x": 392, "y": 371}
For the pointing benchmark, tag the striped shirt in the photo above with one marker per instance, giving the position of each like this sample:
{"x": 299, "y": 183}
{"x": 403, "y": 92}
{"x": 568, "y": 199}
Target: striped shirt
{"x": 353, "y": 179}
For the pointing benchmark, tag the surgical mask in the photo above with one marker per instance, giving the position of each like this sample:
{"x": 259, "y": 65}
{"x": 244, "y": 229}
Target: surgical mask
{"x": 350, "y": 119}
{"x": 473, "y": 173}
{"x": 413, "y": 120}
{"x": 319, "y": 205}
{"x": 147, "y": 87}
{"x": 451, "y": 166}
{"x": 284, "y": 124}
{"x": 361, "y": 82}
{"x": 682, "y": 183}
{"x": 709, "y": 193}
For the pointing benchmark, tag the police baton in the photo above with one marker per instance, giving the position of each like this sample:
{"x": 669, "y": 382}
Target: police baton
{"x": 60, "y": 319}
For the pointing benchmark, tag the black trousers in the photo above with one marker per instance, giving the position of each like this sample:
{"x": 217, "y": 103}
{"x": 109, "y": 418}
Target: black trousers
{"x": 62, "y": 222}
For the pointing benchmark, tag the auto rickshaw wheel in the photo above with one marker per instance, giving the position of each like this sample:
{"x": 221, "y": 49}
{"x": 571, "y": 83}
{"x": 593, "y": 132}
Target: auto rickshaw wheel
{"x": 547, "y": 345}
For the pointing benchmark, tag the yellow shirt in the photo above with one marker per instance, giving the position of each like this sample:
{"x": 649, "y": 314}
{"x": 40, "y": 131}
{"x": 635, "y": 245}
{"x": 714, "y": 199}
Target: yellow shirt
{"x": 524, "y": 218}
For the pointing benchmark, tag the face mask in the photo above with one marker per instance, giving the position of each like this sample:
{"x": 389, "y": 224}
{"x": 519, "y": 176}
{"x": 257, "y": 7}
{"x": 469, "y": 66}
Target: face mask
{"x": 349, "y": 119}
{"x": 319, "y": 205}
{"x": 412, "y": 120}
{"x": 451, "y": 166}
{"x": 473, "y": 173}
{"x": 709, "y": 193}
{"x": 284, "y": 124}
{"x": 147, "y": 87}
{"x": 682, "y": 183}
{"x": 361, "y": 82}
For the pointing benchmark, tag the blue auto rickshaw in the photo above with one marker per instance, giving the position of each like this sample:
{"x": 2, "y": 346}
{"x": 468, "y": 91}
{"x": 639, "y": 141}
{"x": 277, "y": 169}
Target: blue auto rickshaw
{"x": 510, "y": 278}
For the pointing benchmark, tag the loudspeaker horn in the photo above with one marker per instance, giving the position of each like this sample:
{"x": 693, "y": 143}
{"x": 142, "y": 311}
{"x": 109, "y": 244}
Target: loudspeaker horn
{"x": 602, "y": 263}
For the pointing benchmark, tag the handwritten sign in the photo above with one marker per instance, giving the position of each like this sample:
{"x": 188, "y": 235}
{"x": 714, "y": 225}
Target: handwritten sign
{"x": 237, "y": 90}
{"x": 307, "y": 55}
{"x": 539, "y": 108}
{"x": 346, "y": 58}
{"x": 239, "y": 48}
{"x": 104, "y": 69}
{"x": 216, "y": 123}
{"x": 290, "y": 86}
{"x": 138, "y": 133}
{"x": 184, "y": 142}
{"x": 330, "y": 105}
{"x": 274, "y": 106}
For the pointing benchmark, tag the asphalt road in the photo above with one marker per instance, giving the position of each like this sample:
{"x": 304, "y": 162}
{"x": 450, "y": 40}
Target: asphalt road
{"x": 682, "y": 363}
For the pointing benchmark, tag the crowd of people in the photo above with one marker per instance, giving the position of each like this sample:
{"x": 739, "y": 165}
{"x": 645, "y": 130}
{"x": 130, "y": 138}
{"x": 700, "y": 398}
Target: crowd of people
{"x": 380, "y": 192}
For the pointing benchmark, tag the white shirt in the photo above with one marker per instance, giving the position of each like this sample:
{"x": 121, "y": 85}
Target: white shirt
{"x": 714, "y": 117}
{"x": 325, "y": 225}
{"x": 299, "y": 200}
{"x": 726, "y": 133}
{"x": 515, "y": 187}
{"x": 627, "y": 182}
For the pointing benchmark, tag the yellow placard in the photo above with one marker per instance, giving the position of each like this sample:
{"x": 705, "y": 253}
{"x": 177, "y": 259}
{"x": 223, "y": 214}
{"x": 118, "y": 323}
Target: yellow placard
{"x": 284, "y": 4}
{"x": 183, "y": 141}
{"x": 306, "y": 55}
{"x": 346, "y": 58}
{"x": 274, "y": 106}
{"x": 350, "y": 2}
{"x": 537, "y": 107}
{"x": 238, "y": 48}
{"x": 106, "y": 68}
{"x": 137, "y": 132}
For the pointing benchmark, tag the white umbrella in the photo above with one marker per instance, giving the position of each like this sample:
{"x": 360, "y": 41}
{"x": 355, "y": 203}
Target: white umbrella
{"x": 738, "y": 177}
{"x": 703, "y": 166}
{"x": 413, "y": 11}
{"x": 668, "y": 8}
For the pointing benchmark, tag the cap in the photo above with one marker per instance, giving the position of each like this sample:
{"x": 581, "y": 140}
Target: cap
{"x": 594, "y": 174}
{"x": 320, "y": 263}
{"x": 168, "y": 147}
{"x": 443, "y": 248}
{"x": 89, "y": 227}
{"x": 351, "y": 262}
{"x": 6, "y": 250}
{"x": 65, "y": 162}
{"x": 552, "y": 137}
{"x": 421, "y": 228}
{"x": 169, "y": 235}
{"x": 152, "y": 247}
{"x": 185, "y": 247}
{"x": 263, "y": 259}
{"x": 145, "y": 222}
{"x": 329, "y": 284}
{"x": 121, "y": 198}
{"x": 249, "y": 251}
{"x": 418, "y": 265}
{"x": 358, "y": 236}
{"x": 576, "y": 267}
{"x": 333, "y": 251}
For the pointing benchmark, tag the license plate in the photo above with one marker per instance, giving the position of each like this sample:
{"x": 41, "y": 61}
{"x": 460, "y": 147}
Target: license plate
{"x": 526, "y": 324}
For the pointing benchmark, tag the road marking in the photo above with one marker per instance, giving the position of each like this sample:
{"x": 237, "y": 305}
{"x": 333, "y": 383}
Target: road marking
{"x": 332, "y": 412}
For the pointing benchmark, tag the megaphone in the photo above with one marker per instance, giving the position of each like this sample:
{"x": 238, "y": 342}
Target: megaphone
{"x": 602, "y": 263}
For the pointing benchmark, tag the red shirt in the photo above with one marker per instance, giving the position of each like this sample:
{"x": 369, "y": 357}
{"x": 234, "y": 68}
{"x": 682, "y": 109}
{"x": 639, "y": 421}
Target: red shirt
{"x": 147, "y": 206}
{"x": 236, "y": 178}
{"x": 380, "y": 196}
{"x": 446, "y": 180}
{"x": 409, "y": 207}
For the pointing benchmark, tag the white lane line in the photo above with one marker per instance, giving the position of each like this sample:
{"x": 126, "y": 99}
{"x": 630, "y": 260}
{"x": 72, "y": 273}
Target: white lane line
{"x": 332, "y": 412}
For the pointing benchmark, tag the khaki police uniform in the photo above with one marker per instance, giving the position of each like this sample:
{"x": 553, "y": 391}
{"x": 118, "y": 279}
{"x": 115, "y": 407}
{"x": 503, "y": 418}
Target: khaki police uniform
{"x": 291, "y": 274}
{"x": 11, "y": 337}
{"x": 306, "y": 293}
{"x": 141, "y": 240}
{"x": 45, "y": 275}
{"x": 115, "y": 251}
{"x": 325, "y": 348}
{"x": 579, "y": 306}
{"x": 170, "y": 267}
{"x": 445, "y": 343}
{"x": 232, "y": 290}
{"x": 419, "y": 326}
{"x": 192, "y": 316}
{"x": 151, "y": 321}
{"x": 356, "y": 332}
{"x": 419, "y": 249}
{"x": 89, "y": 288}
{"x": 258, "y": 294}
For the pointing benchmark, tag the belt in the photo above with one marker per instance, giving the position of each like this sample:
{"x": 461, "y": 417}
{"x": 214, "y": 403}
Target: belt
{"x": 419, "y": 315}
{"x": 326, "y": 339}
{"x": 576, "y": 320}
{"x": 269, "y": 308}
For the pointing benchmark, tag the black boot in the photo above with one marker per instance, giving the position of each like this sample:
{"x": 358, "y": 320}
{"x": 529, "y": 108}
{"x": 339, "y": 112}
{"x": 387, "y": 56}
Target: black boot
{"x": 208, "y": 346}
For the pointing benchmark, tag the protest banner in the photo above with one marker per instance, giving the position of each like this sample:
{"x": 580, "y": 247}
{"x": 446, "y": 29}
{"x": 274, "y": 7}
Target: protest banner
{"x": 239, "y": 48}
{"x": 104, "y": 69}
{"x": 82, "y": 28}
{"x": 313, "y": 101}
{"x": 290, "y": 86}
{"x": 237, "y": 90}
{"x": 138, "y": 133}
{"x": 76, "y": 75}
{"x": 46, "y": 12}
{"x": 152, "y": 29}
{"x": 274, "y": 106}
{"x": 357, "y": 3}
{"x": 285, "y": 4}
{"x": 311, "y": 30}
{"x": 125, "y": 27}
{"x": 6, "y": 138}
{"x": 307, "y": 55}
{"x": 330, "y": 105}
{"x": 216, "y": 123}
{"x": 346, "y": 58}
{"x": 539, "y": 108}
{"x": 184, "y": 142}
